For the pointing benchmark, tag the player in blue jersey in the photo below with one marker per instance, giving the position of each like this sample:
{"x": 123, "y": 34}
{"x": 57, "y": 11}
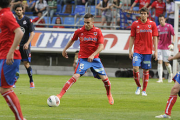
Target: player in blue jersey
{"x": 25, "y": 45}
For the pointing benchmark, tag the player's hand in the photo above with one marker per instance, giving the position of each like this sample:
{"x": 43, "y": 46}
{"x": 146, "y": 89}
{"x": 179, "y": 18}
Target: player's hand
{"x": 64, "y": 54}
{"x": 25, "y": 46}
{"x": 170, "y": 58}
{"x": 10, "y": 58}
{"x": 155, "y": 56}
{"x": 90, "y": 58}
{"x": 171, "y": 47}
{"x": 130, "y": 54}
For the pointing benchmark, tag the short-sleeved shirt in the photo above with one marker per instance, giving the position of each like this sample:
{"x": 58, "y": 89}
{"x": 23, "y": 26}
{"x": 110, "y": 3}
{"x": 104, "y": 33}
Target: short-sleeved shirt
{"x": 89, "y": 41}
{"x": 52, "y": 3}
{"x": 170, "y": 8}
{"x": 41, "y": 5}
{"x": 143, "y": 33}
{"x": 8, "y": 24}
{"x": 165, "y": 33}
{"x": 142, "y": 3}
{"x": 159, "y": 6}
{"x": 27, "y": 27}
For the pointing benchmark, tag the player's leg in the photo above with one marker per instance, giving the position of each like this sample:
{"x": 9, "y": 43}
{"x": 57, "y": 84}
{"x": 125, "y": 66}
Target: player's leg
{"x": 146, "y": 65}
{"x": 80, "y": 70}
{"x": 172, "y": 98}
{"x": 29, "y": 71}
{"x": 137, "y": 58}
{"x": 98, "y": 71}
{"x": 160, "y": 65}
{"x": 166, "y": 54}
{"x": 7, "y": 80}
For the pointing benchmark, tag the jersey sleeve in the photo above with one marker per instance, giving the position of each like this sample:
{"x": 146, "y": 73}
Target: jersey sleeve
{"x": 136, "y": 1}
{"x": 75, "y": 36}
{"x": 30, "y": 25}
{"x": 148, "y": 1}
{"x": 154, "y": 29}
{"x": 153, "y": 4}
{"x": 10, "y": 21}
{"x": 133, "y": 30}
{"x": 100, "y": 38}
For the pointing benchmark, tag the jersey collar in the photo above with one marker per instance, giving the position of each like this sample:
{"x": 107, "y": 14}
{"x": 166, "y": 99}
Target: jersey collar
{"x": 88, "y": 30}
{"x": 145, "y": 22}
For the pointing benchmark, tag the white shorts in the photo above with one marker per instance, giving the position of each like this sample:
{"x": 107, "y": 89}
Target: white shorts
{"x": 164, "y": 55}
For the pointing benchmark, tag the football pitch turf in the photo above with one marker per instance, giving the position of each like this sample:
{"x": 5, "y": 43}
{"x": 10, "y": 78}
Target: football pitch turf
{"x": 87, "y": 100}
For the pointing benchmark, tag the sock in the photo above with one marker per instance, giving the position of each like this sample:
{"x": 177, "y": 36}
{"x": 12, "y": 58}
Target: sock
{"x": 29, "y": 71}
{"x": 170, "y": 103}
{"x": 160, "y": 70}
{"x": 145, "y": 80}
{"x": 107, "y": 85}
{"x": 168, "y": 67}
{"x": 68, "y": 84}
{"x": 137, "y": 78}
{"x": 13, "y": 102}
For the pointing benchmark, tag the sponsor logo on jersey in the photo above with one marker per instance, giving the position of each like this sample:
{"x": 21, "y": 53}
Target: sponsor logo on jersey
{"x": 24, "y": 22}
{"x": 23, "y": 29}
{"x": 90, "y": 39}
{"x": 142, "y": 31}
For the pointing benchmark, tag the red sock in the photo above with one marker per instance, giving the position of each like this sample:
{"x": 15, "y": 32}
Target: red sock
{"x": 137, "y": 78}
{"x": 170, "y": 103}
{"x": 13, "y": 102}
{"x": 107, "y": 85}
{"x": 145, "y": 80}
{"x": 68, "y": 84}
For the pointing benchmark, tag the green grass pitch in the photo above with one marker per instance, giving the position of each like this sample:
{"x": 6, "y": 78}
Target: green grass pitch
{"x": 87, "y": 100}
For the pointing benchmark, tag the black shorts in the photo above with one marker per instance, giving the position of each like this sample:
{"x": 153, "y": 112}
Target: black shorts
{"x": 25, "y": 54}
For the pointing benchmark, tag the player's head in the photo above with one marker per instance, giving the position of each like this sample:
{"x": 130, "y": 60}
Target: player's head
{"x": 162, "y": 20}
{"x": 169, "y": 1}
{"x": 88, "y": 21}
{"x": 4, "y": 3}
{"x": 39, "y": 14}
{"x": 19, "y": 10}
{"x": 144, "y": 12}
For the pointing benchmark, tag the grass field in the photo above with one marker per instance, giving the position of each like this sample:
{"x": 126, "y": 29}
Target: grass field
{"x": 87, "y": 100}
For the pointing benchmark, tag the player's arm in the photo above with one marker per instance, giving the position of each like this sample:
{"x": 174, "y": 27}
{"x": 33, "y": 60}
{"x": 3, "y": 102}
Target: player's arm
{"x": 64, "y": 53}
{"x": 155, "y": 46}
{"x": 177, "y": 56}
{"x": 146, "y": 5}
{"x": 131, "y": 42}
{"x": 99, "y": 49}
{"x": 18, "y": 36}
{"x": 26, "y": 45}
{"x": 134, "y": 4}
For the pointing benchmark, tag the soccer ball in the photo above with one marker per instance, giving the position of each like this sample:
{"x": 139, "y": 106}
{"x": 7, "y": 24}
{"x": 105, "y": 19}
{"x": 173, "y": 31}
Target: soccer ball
{"x": 53, "y": 101}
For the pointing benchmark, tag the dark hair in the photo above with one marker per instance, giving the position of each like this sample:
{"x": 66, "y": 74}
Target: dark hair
{"x": 19, "y": 5}
{"x": 161, "y": 16}
{"x": 104, "y": 4}
{"x": 5, "y": 3}
{"x": 144, "y": 10}
{"x": 88, "y": 15}
{"x": 77, "y": 51}
{"x": 56, "y": 20}
{"x": 39, "y": 12}
{"x": 117, "y": 2}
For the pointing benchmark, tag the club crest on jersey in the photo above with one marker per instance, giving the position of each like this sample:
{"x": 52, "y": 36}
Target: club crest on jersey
{"x": 81, "y": 34}
{"x": 81, "y": 66}
{"x": 165, "y": 28}
{"x": 149, "y": 26}
{"x": 95, "y": 33}
{"x": 24, "y": 22}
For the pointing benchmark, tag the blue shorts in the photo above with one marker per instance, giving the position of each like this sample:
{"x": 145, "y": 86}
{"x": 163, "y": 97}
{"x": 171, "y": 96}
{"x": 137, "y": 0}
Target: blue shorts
{"x": 96, "y": 67}
{"x": 8, "y": 73}
{"x": 143, "y": 60}
{"x": 177, "y": 77}
{"x": 25, "y": 54}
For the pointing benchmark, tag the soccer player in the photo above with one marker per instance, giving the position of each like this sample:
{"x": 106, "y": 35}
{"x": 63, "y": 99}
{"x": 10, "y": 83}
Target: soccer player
{"x": 142, "y": 32}
{"x": 25, "y": 45}
{"x": 160, "y": 8}
{"x": 142, "y": 3}
{"x": 164, "y": 44}
{"x": 91, "y": 44}
{"x": 10, "y": 57}
{"x": 174, "y": 91}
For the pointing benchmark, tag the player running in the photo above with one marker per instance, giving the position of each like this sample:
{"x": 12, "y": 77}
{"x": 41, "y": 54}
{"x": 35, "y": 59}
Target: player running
{"x": 91, "y": 44}
{"x": 164, "y": 44}
{"x": 25, "y": 45}
{"x": 142, "y": 32}
{"x": 10, "y": 57}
